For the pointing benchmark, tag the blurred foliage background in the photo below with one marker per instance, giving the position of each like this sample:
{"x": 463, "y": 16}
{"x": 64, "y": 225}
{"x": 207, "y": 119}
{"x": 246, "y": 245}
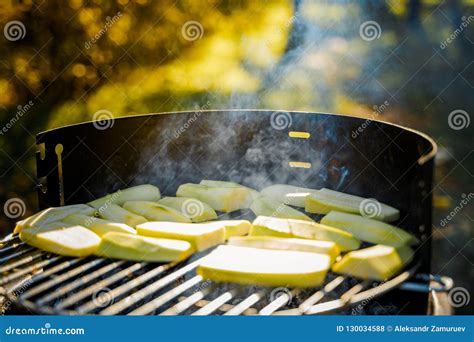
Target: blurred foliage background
{"x": 76, "y": 57}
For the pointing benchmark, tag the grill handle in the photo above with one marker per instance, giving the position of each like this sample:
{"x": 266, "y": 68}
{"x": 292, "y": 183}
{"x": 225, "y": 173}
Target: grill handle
{"x": 430, "y": 283}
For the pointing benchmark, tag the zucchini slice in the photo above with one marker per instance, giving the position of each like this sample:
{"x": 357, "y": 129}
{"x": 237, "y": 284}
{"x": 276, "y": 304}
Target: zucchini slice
{"x": 153, "y": 211}
{"x": 271, "y": 226}
{"x": 144, "y": 192}
{"x": 192, "y": 208}
{"x": 270, "y": 207}
{"x": 225, "y": 199}
{"x": 254, "y": 266}
{"x": 53, "y": 214}
{"x": 325, "y": 200}
{"x": 370, "y": 230}
{"x": 287, "y": 194}
{"x": 140, "y": 248}
{"x": 377, "y": 262}
{"x": 201, "y": 235}
{"x": 73, "y": 241}
{"x": 287, "y": 244}
{"x": 98, "y": 225}
{"x": 234, "y": 227}
{"x": 115, "y": 213}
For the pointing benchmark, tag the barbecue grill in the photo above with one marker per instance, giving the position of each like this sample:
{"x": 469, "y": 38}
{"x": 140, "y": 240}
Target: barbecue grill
{"x": 78, "y": 163}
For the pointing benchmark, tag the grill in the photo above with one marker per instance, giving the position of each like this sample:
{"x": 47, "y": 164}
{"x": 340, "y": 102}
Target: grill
{"x": 78, "y": 163}
{"x": 49, "y": 284}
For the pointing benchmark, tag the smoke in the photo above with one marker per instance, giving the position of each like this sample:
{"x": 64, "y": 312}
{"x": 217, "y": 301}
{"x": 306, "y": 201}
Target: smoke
{"x": 247, "y": 147}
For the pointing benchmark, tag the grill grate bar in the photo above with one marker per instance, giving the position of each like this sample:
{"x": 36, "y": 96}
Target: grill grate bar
{"x": 35, "y": 254}
{"x": 189, "y": 301}
{"x": 98, "y": 286}
{"x": 337, "y": 303}
{"x": 165, "y": 298}
{"x": 12, "y": 247}
{"x": 124, "y": 288}
{"x": 215, "y": 304}
{"x": 29, "y": 269}
{"x": 279, "y": 302}
{"x": 59, "y": 279}
{"x": 317, "y": 296}
{"x": 78, "y": 282}
{"x": 245, "y": 304}
{"x": 150, "y": 289}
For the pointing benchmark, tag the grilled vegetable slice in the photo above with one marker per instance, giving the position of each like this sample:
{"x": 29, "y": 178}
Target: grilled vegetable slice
{"x": 155, "y": 212}
{"x": 115, "y": 213}
{"x": 286, "y": 228}
{"x": 145, "y": 192}
{"x": 287, "y": 194}
{"x": 140, "y": 248}
{"x": 201, "y": 235}
{"x": 74, "y": 241}
{"x": 377, "y": 262}
{"x": 234, "y": 227}
{"x": 254, "y": 266}
{"x": 53, "y": 214}
{"x": 325, "y": 200}
{"x": 99, "y": 226}
{"x": 287, "y": 244}
{"x": 223, "y": 184}
{"x": 192, "y": 208}
{"x": 270, "y": 207}
{"x": 226, "y": 199}
{"x": 369, "y": 230}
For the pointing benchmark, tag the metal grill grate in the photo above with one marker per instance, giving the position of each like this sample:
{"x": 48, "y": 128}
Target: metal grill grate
{"x": 49, "y": 284}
